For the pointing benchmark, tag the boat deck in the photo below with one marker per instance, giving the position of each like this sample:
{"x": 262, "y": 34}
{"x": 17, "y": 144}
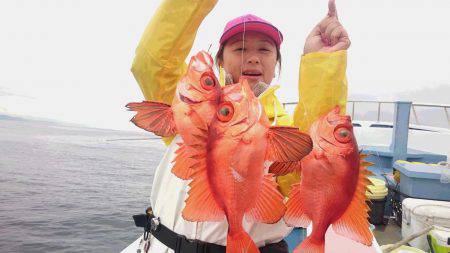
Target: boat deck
{"x": 388, "y": 234}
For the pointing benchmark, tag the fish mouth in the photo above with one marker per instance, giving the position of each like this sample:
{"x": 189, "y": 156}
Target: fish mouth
{"x": 187, "y": 100}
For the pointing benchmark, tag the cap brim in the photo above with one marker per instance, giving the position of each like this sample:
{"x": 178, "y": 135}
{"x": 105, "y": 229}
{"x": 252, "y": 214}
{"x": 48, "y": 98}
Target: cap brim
{"x": 256, "y": 26}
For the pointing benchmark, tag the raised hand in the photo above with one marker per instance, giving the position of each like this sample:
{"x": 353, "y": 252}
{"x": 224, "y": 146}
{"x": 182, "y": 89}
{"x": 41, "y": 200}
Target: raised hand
{"x": 329, "y": 35}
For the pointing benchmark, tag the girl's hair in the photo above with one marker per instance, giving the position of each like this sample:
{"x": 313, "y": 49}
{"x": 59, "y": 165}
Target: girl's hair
{"x": 219, "y": 57}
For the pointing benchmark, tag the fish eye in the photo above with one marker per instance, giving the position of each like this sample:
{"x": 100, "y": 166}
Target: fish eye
{"x": 208, "y": 81}
{"x": 342, "y": 134}
{"x": 225, "y": 112}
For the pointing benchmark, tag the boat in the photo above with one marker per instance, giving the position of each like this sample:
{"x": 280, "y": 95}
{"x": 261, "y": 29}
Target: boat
{"x": 408, "y": 137}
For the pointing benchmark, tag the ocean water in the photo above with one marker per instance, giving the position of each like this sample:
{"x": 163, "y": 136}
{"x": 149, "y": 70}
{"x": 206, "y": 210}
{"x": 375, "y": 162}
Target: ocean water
{"x": 67, "y": 188}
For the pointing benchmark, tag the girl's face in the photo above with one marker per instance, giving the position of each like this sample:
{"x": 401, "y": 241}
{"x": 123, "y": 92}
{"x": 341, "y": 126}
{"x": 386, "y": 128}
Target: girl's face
{"x": 254, "y": 58}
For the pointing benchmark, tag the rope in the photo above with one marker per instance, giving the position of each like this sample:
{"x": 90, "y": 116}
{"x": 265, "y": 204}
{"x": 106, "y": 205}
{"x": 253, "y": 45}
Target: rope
{"x": 389, "y": 248}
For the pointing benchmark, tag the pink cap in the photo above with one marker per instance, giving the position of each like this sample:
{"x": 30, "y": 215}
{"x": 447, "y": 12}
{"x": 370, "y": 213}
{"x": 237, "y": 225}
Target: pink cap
{"x": 251, "y": 22}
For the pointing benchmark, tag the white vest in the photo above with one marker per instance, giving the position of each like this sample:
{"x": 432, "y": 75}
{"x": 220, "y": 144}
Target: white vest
{"x": 167, "y": 200}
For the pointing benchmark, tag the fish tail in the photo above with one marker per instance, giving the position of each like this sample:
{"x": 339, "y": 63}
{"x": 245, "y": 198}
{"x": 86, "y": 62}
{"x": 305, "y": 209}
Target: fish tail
{"x": 310, "y": 246}
{"x": 241, "y": 243}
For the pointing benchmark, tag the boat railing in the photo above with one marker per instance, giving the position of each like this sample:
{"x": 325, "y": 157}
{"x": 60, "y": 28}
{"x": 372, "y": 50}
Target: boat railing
{"x": 353, "y": 104}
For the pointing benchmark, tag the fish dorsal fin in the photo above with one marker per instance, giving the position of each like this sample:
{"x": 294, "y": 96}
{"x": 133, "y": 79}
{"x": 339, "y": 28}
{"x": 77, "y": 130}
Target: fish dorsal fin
{"x": 283, "y": 168}
{"x": 190, "y": 155}
{"x": 183, "y": 164}
{"x": 201, "y": 205}
{"x": 154, "y": 117}
{"x": 353, "y": 223}
{"x": 287, "y": 144}
{"x": 269, "y": 207}
{"x": 295, "y": 213}
{"x": 366, "y": 164}
{"x": 362, "y": 155}
{"x": 363, "y": 163}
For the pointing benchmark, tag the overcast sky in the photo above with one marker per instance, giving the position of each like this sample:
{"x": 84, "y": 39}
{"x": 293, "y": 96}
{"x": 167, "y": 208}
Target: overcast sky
{"x": 70, "y": 59}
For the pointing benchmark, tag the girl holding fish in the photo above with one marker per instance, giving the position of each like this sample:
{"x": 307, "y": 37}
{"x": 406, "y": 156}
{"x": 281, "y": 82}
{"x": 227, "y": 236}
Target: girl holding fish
{"x": 250, "y": 48}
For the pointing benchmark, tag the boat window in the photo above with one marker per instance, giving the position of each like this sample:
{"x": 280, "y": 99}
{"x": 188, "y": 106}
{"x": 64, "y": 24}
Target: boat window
{"x": 421, "y": 129}
{"x": 356, "y": 124}
{"x": 389, "y": 126}
{"x": 381, "y": 126}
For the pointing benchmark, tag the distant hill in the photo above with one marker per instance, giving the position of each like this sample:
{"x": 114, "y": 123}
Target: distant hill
{"x": 43, "y": 123}
{"x": 6, "y": 116}
{"x": 9, "y": 117}
{"x": 436, "y": 94}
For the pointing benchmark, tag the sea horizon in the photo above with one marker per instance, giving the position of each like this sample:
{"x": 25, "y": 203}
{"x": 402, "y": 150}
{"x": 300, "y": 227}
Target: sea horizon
{"x": 71, "y": 188}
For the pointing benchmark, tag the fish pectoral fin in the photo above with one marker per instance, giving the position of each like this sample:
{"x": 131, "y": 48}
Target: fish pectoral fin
{"x": 154, "y": 117}
{"x": 353, "y": 223}
{"x": 288, "y": 144}
{"x": 201, "y": 205}
{"x": 269, "y": 207}
{"x": 283, "y": 168}
{"x": 295, "y": 213}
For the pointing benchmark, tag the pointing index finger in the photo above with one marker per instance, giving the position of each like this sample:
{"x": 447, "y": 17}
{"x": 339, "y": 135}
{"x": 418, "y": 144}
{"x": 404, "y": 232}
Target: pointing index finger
{"x": 332, "y": 12}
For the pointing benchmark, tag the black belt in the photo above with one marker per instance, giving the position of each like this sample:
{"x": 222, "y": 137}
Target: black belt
{"x": 181, "y": 244}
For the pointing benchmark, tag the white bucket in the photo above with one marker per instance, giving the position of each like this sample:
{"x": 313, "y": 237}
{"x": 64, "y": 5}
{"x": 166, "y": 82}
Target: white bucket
{"x": 419, "y": 214}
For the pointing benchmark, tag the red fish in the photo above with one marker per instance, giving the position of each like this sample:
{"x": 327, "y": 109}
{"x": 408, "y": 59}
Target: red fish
{"x": 229, "y": 181}
{"x": 333, "y": 186}
{"x": 193, "y": 107}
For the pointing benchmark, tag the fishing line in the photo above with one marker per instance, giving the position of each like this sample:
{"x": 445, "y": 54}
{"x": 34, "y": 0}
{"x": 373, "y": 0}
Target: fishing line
{"x": 275, "y": 113}
{"x": 232, "y": 167}
{"x": 135, "y": 139}
{"x": 243, "y": 48}
{"x": 279, "y": 49}
{"x": 209, "y": 48}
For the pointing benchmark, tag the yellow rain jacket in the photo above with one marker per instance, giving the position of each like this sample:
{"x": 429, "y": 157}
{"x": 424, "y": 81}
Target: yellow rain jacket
{"x": 160, "y": 62}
